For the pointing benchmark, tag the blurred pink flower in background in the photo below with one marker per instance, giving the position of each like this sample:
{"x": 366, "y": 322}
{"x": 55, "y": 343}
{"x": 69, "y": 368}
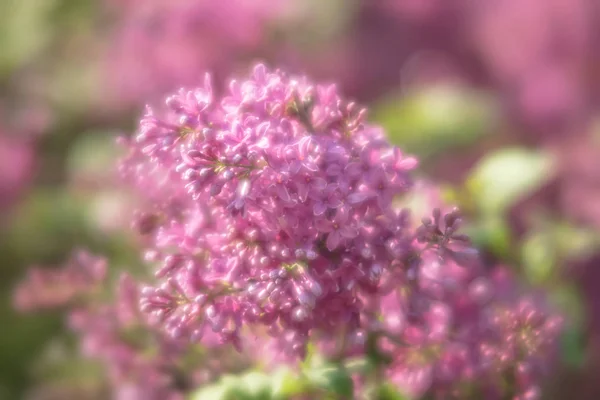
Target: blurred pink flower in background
{"x": 545, "y": 73}
{"x": 159, "y": 46}
{"x": 16, "y": 167}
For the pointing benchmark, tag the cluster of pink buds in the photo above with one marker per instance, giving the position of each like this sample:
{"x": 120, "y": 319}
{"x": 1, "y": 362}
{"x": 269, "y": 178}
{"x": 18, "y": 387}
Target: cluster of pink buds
{"x": 281, "y": 217}
{"x": 286, "y": 214}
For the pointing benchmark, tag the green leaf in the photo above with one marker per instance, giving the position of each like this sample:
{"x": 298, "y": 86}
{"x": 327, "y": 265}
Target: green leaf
{"x": 568, "y": 298}
{"x": 312, "y": 357}
{"x": 388, "y": 392}
{"x": 286, "y": 384}
{"x": 358, "y": 365}
{"x": 553, "y": 244}
{"x": 92, "y": 154}
{"x": 539, "y": 258}
{"x": 504, "y": 177}
{"x": 249, "y": 386}
{"x": 573, "y": 347}
{"x": 53, "y": 220}
{"x": 217, "y": 391}
{"x": 436, "y": 118}
{"x": 25, "y": 30}
{"x": 575, "y": 242}
{"x": 493, "y": 233}
{"x": 253, "y": 385}
{"x": 281, "y": 384}
{"x": 332, "y": 378}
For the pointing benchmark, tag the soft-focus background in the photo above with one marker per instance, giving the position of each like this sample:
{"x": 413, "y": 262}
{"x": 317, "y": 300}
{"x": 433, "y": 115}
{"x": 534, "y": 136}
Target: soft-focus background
{"x": 499, "y": 99}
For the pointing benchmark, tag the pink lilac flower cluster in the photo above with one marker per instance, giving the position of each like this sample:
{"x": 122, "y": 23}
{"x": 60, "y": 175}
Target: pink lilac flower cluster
{"x": 271, "y": 216}
{"x": 460, "y": 329}
{"x": 286, "y": 215}
{"x": 55, "y": 287}
{"x": 139, "y": 360}
{"x": 114, "y": 334}
{"x": 287, "y": 221}
{"x": 464, "y": 333}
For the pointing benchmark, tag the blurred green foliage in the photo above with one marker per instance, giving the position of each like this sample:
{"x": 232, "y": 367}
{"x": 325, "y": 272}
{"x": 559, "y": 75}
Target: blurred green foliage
{"x": 25, "y": 30}
{"x": 504, "y": 177}
{"x": 436, "y": 119}
{"x": 325, "y": 382}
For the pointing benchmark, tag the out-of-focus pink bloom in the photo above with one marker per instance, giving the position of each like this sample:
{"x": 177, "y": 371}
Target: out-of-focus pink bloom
{"x": 579, "y": 180}
{"x": 545, "y": 72}
{"x": 159, "y": 46}
{"x": 50, "y": 288}
{"x": 16, "y": 167}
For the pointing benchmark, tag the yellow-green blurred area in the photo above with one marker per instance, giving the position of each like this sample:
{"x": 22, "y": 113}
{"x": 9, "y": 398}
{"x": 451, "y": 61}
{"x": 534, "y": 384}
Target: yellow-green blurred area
{"x": 529, "y": 186}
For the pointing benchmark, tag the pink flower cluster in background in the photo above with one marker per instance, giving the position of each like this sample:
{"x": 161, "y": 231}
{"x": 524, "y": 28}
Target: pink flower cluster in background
{"x": 16, "y": 167}
{"x": 161, "y": 45}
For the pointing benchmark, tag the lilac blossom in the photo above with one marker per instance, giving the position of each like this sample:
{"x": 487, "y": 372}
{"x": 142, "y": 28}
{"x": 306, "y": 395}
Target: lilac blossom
{"x": 260, "y": 170}
{"x": 139, "y": 360}
{"x": 301, "y": 237}
{"x": 450, "y": 338}
{"x": 459, "y": 330}
{"x": 274, "y": 217}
